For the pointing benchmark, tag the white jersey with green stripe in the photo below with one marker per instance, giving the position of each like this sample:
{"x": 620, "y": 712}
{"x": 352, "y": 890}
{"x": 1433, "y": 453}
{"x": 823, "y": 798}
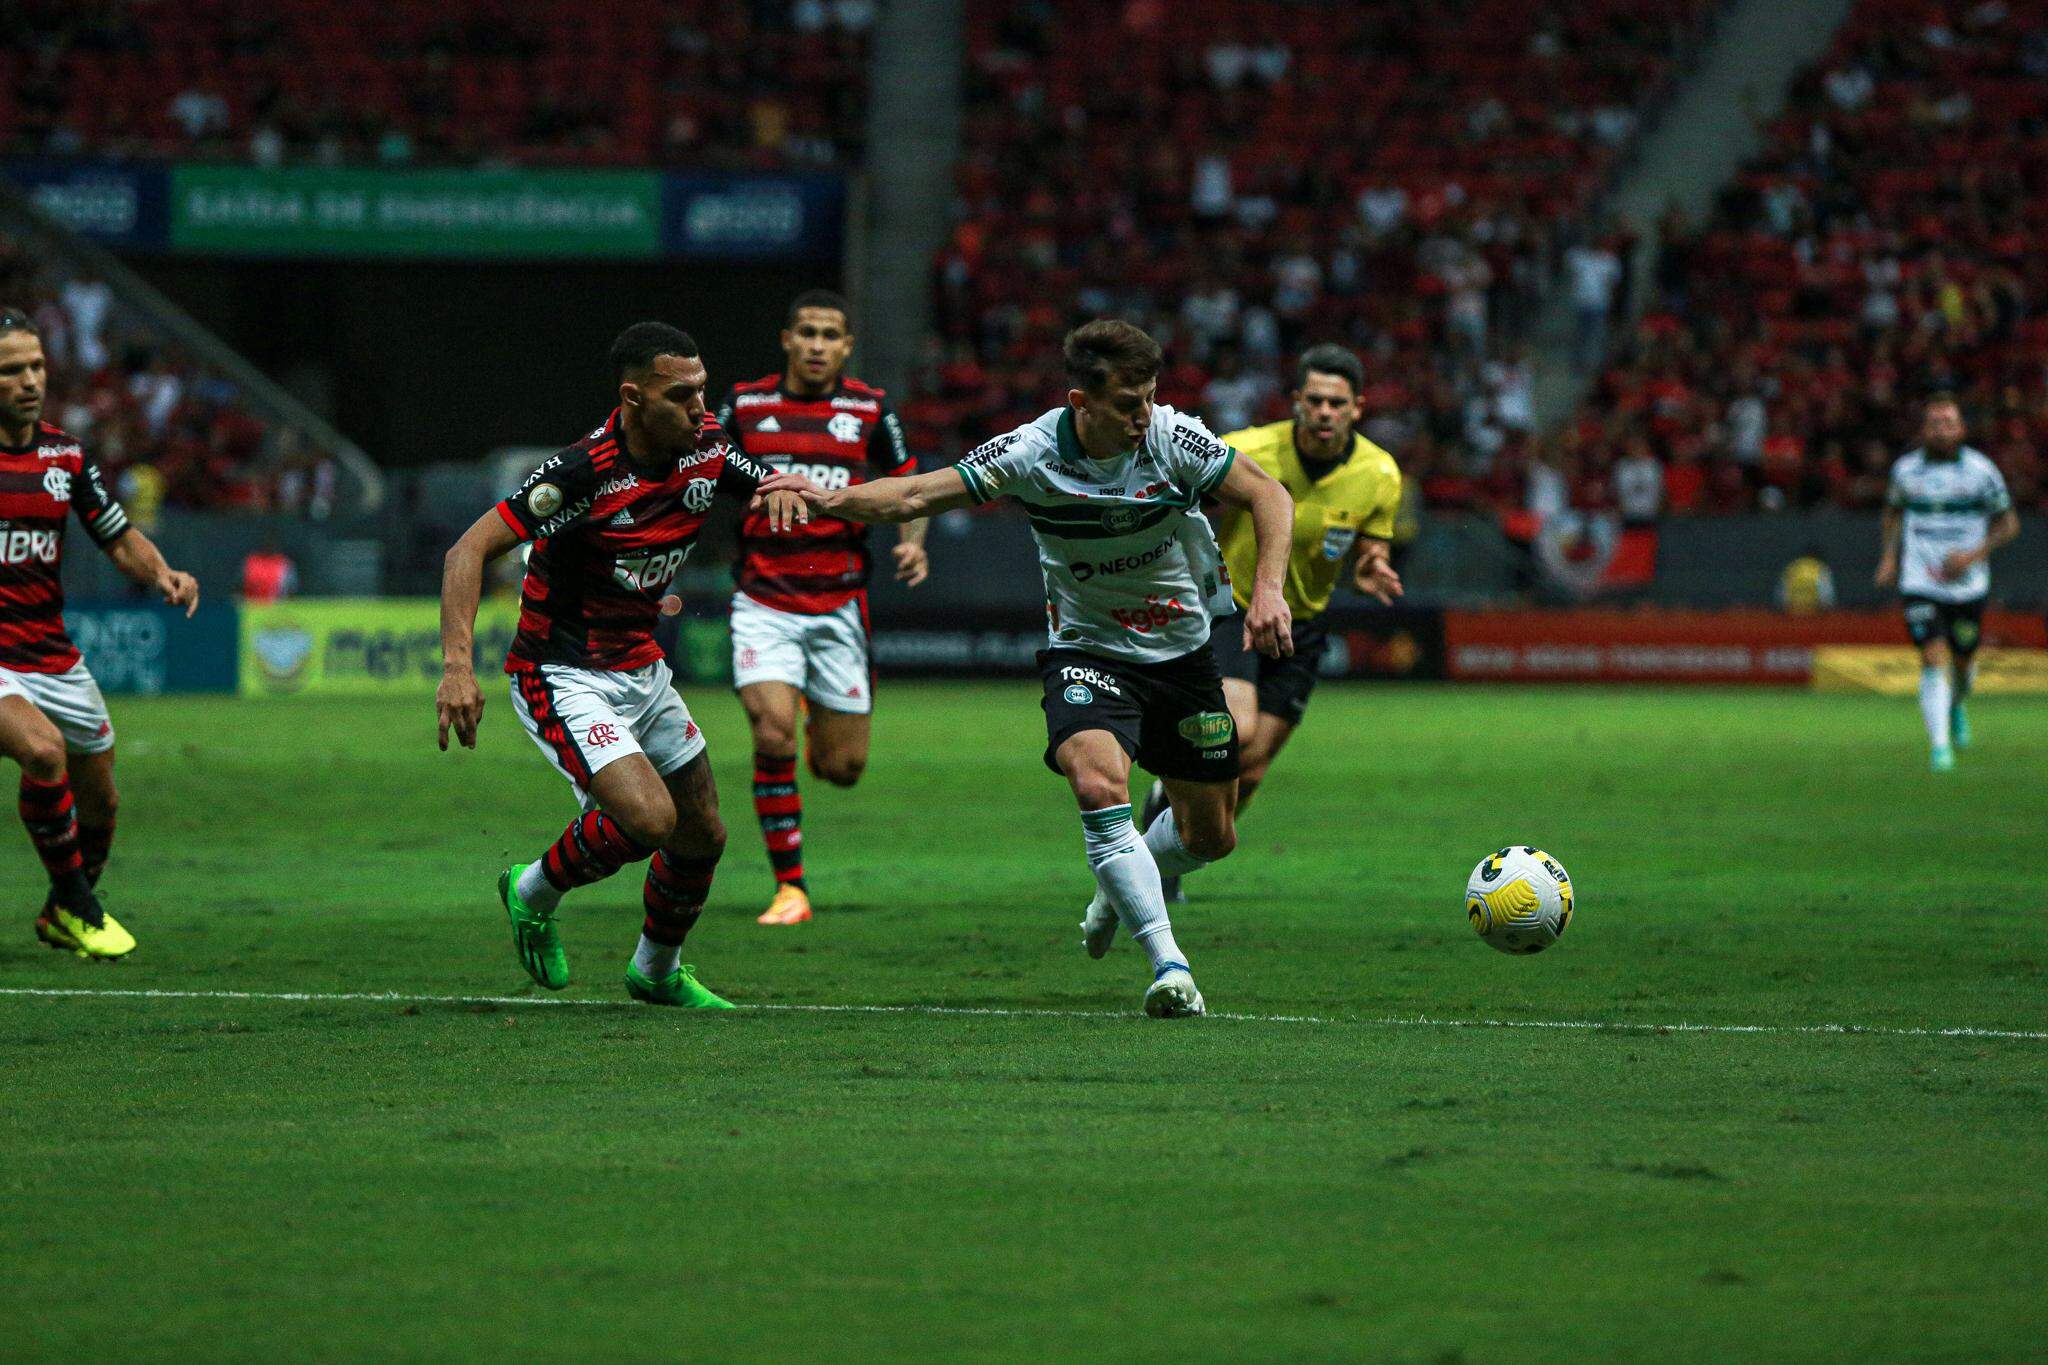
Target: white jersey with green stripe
{"x": 1131, "y": 567}
{"x": 1948, "y": 506}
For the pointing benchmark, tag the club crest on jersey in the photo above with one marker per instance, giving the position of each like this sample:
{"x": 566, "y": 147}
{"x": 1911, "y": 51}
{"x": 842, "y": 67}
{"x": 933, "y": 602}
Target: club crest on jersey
{"x": 57, "y": 483}
{"x": 844, "y": 427}
{"x": 545, "y": 500}
{"x": 1337, "y": 542}
{"x": 1121, "y": 520}
{"x": 1206, "y": 730}
{"x": 698, "y": 493}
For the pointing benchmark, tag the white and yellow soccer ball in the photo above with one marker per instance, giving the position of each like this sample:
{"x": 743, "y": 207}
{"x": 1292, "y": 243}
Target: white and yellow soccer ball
{"x": 1519, "y": 899}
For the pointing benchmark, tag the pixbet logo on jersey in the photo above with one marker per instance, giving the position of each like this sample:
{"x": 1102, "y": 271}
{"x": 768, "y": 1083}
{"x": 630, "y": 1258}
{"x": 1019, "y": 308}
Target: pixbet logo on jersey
{"x": 23, "y": 547}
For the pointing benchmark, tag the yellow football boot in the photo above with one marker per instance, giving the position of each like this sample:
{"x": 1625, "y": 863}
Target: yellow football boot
{"x": 106, "y": 940}
{"x": 790, "y": 906}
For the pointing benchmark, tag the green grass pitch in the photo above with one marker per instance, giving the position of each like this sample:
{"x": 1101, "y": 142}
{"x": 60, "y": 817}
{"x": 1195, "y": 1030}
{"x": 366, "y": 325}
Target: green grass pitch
{"x": 349, "y": 1179}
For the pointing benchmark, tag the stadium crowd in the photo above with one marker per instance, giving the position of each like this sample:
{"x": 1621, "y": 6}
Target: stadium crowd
{"x": 769, "y": 84}
{"x": 1887, "y": 245}
{"x": 165, "y": 428}
{"x": 1404, "y": 177}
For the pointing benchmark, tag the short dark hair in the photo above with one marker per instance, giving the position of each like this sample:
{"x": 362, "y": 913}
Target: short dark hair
{"x": 639, "y": 344}
{"x": 14, "y": 318}
{"x": 1108, "y": 349}
{"x": 820, "y": 298}
{"x": 1941, "y": 398}
{"x": 1330, "y": 358}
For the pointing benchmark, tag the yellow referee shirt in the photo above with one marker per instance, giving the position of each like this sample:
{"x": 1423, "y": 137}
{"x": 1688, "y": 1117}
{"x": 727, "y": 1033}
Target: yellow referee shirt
{"x": 1359, "y": 497}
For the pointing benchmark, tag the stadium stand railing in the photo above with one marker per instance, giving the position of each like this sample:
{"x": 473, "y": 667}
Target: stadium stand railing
{"x": 176, "y": 417}
{"x": 1885, "y": 245}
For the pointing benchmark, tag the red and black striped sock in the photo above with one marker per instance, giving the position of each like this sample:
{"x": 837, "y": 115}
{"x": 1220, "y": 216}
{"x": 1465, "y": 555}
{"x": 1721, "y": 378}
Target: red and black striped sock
{"x": 674, "y": 896}
{"x": 95, "y": 842}
{"x": 591, "y": 849}
{"x": 52, "y": 820}
{"x": 780, "y": 808}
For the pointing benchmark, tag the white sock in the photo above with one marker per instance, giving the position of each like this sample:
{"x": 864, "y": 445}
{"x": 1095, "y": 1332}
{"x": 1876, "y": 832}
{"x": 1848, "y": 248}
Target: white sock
{"x": 1125, "y": 871}
{"x": 657, "y": 960}
{"x": 540, "y": 894}
{"x": 1168, "y": 851}
{"x": 1934, "y": 696}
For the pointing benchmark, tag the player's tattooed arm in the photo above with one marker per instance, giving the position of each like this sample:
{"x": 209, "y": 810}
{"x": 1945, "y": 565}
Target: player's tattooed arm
{"x": 1268, "y": 624}
{"x": 458, "y": 701}
{"x": 885, "y": 500}
{"x": 141, "y": 562}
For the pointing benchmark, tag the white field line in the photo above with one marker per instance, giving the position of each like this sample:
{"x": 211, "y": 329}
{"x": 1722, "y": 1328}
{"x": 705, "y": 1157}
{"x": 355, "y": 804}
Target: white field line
{"x": 1418, "y": 1021}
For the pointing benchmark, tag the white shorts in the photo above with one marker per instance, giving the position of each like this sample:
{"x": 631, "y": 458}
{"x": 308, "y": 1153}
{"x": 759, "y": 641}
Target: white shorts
{"x": 586, "y": 719}
{"x": 71, "y": 700}
{"x": 824, "y": 657}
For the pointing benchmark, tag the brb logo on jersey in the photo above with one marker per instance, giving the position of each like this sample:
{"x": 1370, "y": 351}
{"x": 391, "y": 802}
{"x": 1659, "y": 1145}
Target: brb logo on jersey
{"x": 845, "y": 428}
{"x": 830, "y": 477}
{"x": 57, "y": 483}
{"x": 25, "y": 547}
{"x": 649, "y": 572}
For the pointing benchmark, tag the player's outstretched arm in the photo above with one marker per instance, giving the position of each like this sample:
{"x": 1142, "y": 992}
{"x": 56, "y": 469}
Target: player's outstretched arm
{"x": 1268, "y": 624}
{"x": 458, "y": 701}
{"x": 891, "y": 500}
{"x": 139, "y": 560}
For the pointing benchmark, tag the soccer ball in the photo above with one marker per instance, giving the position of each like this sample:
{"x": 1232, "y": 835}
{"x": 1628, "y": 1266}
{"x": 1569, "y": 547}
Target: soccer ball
{"x": 1519, "y": 899}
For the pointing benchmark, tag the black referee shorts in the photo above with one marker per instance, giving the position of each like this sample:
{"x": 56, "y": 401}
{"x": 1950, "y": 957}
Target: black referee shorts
{"x": 1284, "y": 684}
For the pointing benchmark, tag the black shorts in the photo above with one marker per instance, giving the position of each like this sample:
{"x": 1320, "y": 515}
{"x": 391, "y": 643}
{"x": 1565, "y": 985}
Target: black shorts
{"x": 1284, "y": 684}
{"x": 1960, "y": 623}
{"x": 1168, "y": 716}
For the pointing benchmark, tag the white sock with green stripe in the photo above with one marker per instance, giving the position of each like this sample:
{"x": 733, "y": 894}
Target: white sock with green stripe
{"x": 1934, "y": 700}
{"x": 1129, "y": 878}
{"x": 1168, "y": 852}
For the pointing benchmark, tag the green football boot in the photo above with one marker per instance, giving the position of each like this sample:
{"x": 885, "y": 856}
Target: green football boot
{"x": 680, "y": 988}
{"x": 533, "y": 934}
{"x": 1958, "y": 727}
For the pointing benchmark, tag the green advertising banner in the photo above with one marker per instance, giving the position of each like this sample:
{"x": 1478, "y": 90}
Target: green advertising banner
{"x": 361, "y": 646}
{"x": 243, "y": 210}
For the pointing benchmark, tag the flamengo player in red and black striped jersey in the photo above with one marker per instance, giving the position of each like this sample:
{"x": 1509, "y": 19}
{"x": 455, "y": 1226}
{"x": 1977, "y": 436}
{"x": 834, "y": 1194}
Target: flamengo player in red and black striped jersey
{"x": 799, "y": 617}
{"x": 610, "y": 520}
{"x": 53, "y": 721}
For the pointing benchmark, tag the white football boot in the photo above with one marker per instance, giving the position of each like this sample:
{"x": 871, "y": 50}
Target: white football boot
{"x": 1173, "y": 994}
{"x": 1098, "y": 926}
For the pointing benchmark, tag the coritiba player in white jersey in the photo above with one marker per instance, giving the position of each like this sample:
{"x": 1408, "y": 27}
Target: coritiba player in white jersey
{"x": 1949, "y": 505}
{"x": 1113, "y": 483}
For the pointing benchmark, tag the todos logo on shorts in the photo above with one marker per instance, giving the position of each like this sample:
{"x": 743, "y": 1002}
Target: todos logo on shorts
{"x": 1207, "y": 729}
{"x": 1078, "y": 695}
{"x": 1086, "y": 678}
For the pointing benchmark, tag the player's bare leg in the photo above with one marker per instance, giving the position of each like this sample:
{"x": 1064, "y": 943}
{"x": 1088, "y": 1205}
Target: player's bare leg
{"x": 1263, "y": 740}
{"x": 1126, "y": 877}
{"x": 678, "y": 882}
{"x": 836, "y": 744}
{"x": 72, "y": 919}
{"x": 635, "y": 815}
{"x": 773, "y": 711}
{"x": 1936, "y": 698}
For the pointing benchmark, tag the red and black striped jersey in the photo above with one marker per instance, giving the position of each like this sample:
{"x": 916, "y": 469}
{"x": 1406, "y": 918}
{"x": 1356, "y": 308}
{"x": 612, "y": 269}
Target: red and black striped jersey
{"x": 836, "y": 440}
{"x": 606, "y": 542}
{"x": 39, "y": 484}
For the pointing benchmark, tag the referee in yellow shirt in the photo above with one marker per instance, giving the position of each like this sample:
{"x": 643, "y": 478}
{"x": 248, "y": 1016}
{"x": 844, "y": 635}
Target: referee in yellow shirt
{"x": 1346, "y": 494}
